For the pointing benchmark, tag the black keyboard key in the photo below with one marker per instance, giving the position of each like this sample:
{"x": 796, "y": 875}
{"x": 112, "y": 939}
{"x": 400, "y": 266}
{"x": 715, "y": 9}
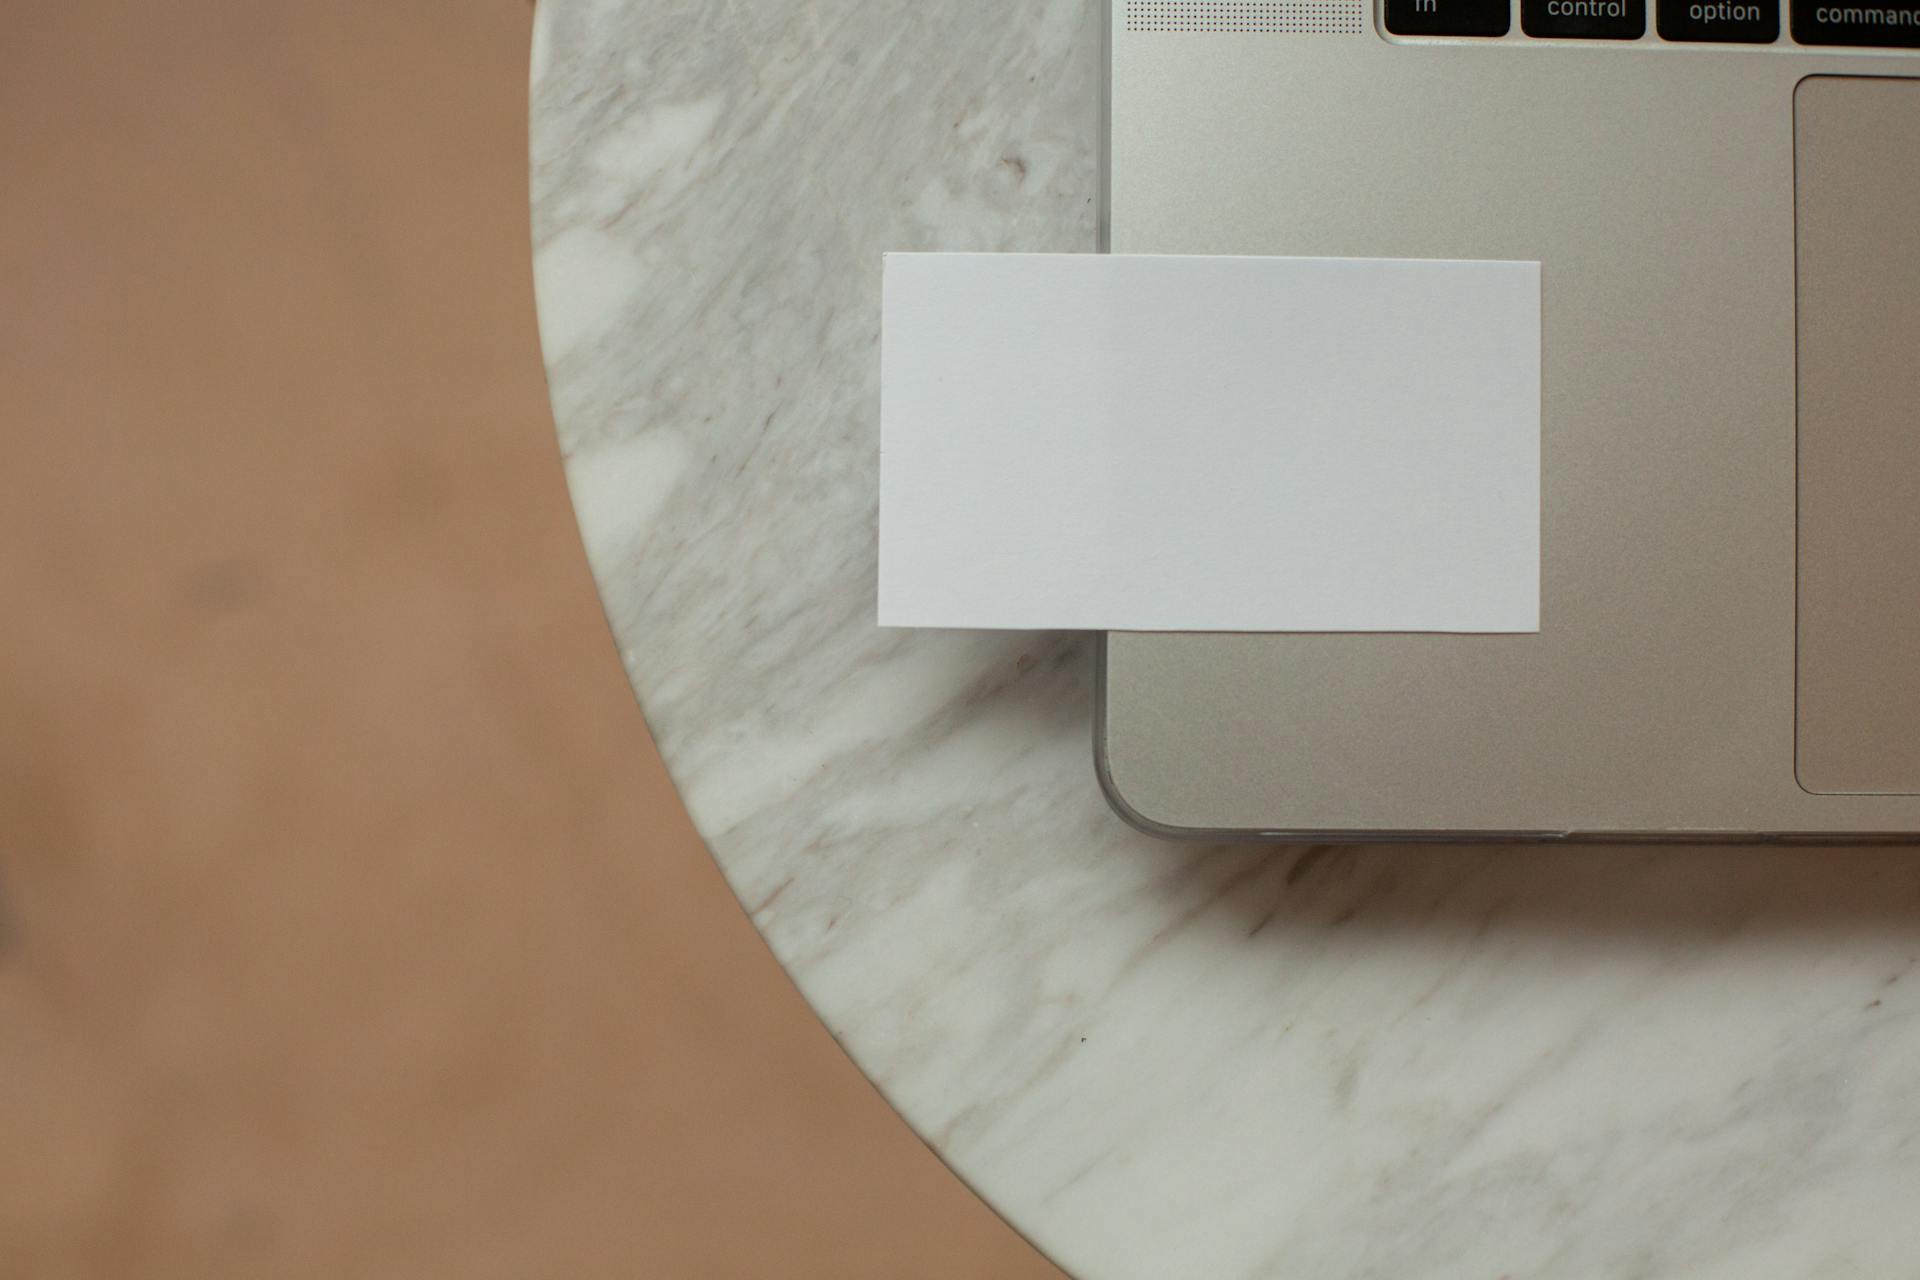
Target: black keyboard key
{"x": 1862, "y": 22}
{"x": 1584, "y": 19}
{"x": 1719, "y": 21}
{"x": 1449, "y": 17}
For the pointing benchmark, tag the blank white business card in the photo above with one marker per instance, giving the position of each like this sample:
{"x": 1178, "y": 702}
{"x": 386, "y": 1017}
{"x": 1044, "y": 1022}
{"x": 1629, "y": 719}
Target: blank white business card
{"x": 1145, "y": 443}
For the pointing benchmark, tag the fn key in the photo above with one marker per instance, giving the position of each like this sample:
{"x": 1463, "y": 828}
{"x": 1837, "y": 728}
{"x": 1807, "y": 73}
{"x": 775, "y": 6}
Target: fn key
{"x": 1448, "y": 17}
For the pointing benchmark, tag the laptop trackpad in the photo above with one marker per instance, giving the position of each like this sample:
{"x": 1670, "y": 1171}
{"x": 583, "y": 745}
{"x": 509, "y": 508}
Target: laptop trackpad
{"x": 1857, "y": 212}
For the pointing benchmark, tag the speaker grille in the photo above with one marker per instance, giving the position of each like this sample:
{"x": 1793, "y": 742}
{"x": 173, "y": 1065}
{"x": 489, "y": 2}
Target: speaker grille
{"x": 1288, "y": 17}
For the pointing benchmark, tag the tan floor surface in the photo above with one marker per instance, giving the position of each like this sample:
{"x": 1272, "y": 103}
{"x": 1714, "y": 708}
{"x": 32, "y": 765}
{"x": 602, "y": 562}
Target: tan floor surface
{"x": 348, "y": 926}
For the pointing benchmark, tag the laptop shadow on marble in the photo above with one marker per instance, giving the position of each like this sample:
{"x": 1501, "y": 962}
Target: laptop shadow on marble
{"x": 1625, "y": 891}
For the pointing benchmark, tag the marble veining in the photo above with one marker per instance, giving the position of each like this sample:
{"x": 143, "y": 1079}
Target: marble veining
{"x": 1155, "y": 1060}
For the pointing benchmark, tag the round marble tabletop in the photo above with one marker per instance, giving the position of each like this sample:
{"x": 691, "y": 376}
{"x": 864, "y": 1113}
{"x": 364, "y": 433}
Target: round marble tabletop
{"x": 1153, "y": 1059}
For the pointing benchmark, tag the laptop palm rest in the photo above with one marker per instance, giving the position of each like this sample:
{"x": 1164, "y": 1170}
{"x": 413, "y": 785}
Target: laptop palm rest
{"x": 1857, "y": 264}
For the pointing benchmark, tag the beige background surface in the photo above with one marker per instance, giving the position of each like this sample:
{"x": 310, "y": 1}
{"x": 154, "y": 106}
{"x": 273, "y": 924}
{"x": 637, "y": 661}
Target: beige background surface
{"x": 348, "y": 925}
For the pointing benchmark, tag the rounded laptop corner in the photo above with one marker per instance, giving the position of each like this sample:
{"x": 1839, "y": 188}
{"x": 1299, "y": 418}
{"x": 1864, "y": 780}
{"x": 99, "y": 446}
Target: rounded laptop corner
{"x": 1130, "y": 813}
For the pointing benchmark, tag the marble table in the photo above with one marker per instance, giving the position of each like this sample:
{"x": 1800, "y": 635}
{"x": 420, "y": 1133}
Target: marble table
{"x": 1155, "y": 1060}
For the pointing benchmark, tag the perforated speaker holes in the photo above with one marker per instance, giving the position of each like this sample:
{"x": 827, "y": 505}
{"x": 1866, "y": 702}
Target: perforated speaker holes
{"x": 1277, "y": 17}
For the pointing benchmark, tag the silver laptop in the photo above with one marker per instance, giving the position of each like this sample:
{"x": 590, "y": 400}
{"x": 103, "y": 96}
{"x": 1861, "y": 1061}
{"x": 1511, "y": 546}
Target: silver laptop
{"x": 1725, "y": 199}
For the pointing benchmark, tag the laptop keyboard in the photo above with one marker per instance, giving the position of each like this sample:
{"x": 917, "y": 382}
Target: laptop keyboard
{"x": 1822, "y": 23}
